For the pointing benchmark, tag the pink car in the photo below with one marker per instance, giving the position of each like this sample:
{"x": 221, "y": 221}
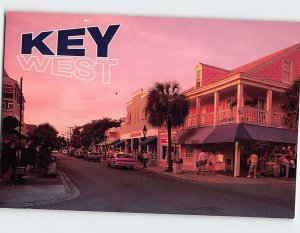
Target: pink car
{"x": 121, "y": 160}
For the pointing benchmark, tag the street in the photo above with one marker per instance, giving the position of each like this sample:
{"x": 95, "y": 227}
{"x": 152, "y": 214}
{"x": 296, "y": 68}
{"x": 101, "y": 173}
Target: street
{"x": 122, "y": 190}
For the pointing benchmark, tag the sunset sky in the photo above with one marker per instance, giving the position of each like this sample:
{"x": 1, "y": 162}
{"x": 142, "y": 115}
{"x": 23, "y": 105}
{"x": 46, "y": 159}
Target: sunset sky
{"x": 148, "y": 50}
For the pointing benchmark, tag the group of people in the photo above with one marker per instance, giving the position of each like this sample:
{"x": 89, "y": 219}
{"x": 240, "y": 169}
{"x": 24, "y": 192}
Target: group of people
{"x": 143, "y": 157}
{"x": 15, "y": 154}
{"x": 287, "y": 163}
{"x": 204, "y": 159}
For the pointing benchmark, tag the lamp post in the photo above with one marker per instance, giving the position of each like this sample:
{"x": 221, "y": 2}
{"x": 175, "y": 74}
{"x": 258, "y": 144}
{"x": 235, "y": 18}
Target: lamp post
{"x": 144, "y": 132}
{"x": 105, "y": 151}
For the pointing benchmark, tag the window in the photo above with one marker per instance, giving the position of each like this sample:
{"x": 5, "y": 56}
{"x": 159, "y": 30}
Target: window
{"x": 189, "y": 153}
{"x": 287, "y": 71}
{"x": 128, "y": 118}
{"x": 137, "y": 114}
{"x": 8, "y": 104}
{"x": 199, "y": 78}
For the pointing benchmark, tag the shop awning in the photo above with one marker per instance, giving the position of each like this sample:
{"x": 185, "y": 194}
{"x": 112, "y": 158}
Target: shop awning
{"x": 200, "y": 134}
{"x": 227, "y": 133}
{"x": 108, "y": 142}
{"x": 271, "y": 134}
{"x": 183, "y": 135}
{"x": 119, "y": 143}
{"x": 149, "y": 141}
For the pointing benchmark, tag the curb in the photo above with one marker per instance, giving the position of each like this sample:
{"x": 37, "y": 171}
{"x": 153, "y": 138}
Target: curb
{"x": 71, "y": 192}
{"x": 178, "y": 176}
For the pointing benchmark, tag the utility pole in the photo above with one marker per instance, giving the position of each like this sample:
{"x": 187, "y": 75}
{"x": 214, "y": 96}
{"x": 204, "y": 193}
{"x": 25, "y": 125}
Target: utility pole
{"x": 21, "y": 110}
{"x": 70, "y": 131}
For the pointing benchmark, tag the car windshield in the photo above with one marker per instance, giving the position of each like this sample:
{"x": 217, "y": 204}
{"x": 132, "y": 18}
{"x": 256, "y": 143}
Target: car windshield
{"x": 123, "y": 156}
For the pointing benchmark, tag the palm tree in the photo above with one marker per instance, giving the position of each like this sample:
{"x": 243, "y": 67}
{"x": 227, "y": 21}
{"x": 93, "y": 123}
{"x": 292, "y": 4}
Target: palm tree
{"x": 166, "y": 106}
{"x": 290, "y": 105}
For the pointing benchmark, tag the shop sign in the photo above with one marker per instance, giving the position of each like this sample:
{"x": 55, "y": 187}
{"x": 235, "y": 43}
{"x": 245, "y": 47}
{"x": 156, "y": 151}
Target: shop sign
{"x": 164, "y": 140}
{"x": 135, "y": 134}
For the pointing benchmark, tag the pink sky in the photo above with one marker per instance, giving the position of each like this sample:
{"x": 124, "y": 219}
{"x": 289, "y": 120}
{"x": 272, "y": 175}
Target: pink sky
{"x": 148, "y": 49}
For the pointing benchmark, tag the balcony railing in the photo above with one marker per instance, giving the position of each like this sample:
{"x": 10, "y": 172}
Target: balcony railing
{"x": 277, "y": 119}
{"x": 248, "y": 115}
{"x": 226, "y": 116}
{"x": 206, "y": 119}
{"x": 200, "y": 120}
{"x": 254, "y": 116}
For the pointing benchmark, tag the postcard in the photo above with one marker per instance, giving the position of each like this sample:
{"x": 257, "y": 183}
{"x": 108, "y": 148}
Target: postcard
{"x": 153, "y": 115}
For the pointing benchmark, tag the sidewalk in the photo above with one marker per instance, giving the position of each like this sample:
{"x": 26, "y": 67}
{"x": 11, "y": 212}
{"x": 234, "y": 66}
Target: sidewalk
{"x": 37, "y": 191}
{"x": 219, "y": 178}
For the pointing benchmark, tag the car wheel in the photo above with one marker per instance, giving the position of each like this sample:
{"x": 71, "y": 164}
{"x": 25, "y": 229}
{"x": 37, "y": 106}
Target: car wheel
{"x": 108, "y": 164}
{"x": 131, "y": 167}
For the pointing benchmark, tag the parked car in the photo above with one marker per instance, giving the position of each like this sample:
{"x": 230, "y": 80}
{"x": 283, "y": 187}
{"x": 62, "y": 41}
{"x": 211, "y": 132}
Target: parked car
{"x": 79, "y": 154}
{"x": 93, "y": 156}
{"x": 71, "y": 152}
{"x": 121, "y": 160}
{"x": 55, "y": 152}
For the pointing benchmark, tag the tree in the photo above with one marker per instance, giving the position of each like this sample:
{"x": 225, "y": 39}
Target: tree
{"x": 45, "y": 136}
{"x": 166, "y": 106}
{"x": 93, "y": 131}
{"x": 61, "y": 142}
{"x": 290, "y": 105}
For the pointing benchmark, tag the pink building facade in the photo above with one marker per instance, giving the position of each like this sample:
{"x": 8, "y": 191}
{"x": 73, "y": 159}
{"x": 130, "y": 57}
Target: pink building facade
{"x": 235, "y": 111}
{"x": 136, "y": 133}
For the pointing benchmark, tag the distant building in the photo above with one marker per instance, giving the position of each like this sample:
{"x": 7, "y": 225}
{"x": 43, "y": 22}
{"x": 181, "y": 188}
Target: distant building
{"x": 136, "y": 133}
{"x": 31, "y": 128}
{"x": 11, "y": 105}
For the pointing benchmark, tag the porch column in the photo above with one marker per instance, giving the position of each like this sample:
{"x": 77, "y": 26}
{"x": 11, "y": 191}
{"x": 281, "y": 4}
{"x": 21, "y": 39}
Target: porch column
{"x": 216, "y": 107}
{"x": 140, "y": 147}
{"x": 126, "y": 147}
{"x": 148, "y": 148}
{"x": 240, "y": 102}
{"x": 198, "y": 105}
{"x": 269, "y": 107}
{"x": 131, "y": 145}
{"x": 237, "y": 159}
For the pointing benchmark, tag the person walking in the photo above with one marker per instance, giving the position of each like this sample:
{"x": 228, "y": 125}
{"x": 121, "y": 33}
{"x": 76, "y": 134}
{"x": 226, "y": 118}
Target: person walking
{"x": 145, "y": 159}
{"x": 253, "y": 160}
{"x": 212, "y": 158}
{"x": 286, "y": 163}
{"x": 202, "y": 158}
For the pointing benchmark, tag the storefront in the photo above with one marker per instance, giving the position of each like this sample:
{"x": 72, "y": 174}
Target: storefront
{"x": 233, "y": 143}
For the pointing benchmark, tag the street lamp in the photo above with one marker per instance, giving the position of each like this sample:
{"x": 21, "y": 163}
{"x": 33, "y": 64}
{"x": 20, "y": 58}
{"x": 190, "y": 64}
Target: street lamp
{"x": 145, "y": 131}
{"x": 105, "y": 139}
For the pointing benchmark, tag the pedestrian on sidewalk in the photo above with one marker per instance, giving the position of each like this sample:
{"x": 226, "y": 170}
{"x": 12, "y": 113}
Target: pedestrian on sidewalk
{"x": 12, "y": 160}
{"x": 212, "y": 158}
{"x": 284, "y": 161}
{"x": 253, "y": 161}
{"x": 202, "y": 158}
{"x": 145, "y": 159}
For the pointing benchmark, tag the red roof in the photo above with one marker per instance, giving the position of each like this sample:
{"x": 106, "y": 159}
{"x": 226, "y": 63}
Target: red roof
{"x": 254, "y": 65}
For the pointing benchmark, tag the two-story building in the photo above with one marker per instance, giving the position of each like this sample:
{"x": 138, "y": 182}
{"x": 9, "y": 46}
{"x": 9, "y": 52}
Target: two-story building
{"x": 11, "y": 114}
{"x": 136, "y": 133}
{"x": 233, "y": 112}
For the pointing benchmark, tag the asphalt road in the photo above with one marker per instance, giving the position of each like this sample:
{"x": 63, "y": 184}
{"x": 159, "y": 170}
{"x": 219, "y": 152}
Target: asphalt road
{"x": 121, "y": 190}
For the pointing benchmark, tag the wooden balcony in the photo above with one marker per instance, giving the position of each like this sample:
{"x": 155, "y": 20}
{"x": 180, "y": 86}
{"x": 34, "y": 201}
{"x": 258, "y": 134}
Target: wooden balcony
{"x": 277, "y": 119}
{"x": 200, "y": 120}
{"x": 254, "y": 116}
{"x": 248, "y": 115}
{"x": 227, "y": 116}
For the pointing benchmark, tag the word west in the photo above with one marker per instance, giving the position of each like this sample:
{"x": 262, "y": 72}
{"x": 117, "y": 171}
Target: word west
{"x": 69, "y": 58}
